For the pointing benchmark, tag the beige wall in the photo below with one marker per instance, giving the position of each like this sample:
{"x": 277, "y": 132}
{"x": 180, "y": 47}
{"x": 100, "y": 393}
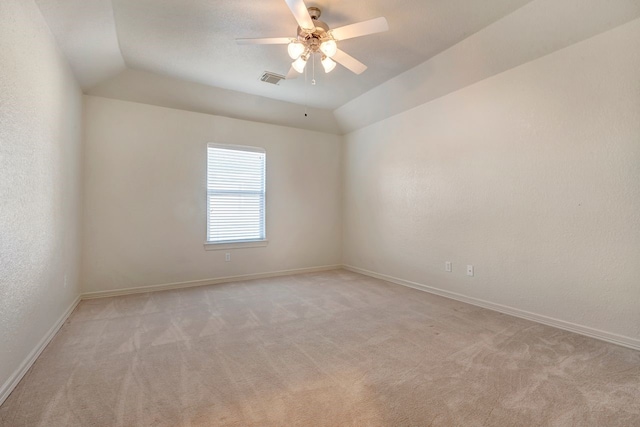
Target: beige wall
{"x": 145, "y": 196}
{"x": 532, "y": 176}
{"x": 40, "y": 132}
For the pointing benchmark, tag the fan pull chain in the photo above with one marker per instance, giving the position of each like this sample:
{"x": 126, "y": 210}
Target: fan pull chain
{"x": 313, "y": 63}
{"x": 306, "y": 92}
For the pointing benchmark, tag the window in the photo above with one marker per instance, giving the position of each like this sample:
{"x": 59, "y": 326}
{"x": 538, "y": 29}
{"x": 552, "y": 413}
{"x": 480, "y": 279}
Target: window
{"x": 235, "y": 194}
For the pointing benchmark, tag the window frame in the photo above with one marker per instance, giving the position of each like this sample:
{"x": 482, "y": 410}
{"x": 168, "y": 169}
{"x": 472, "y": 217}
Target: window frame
{"x": 234, "y": 244}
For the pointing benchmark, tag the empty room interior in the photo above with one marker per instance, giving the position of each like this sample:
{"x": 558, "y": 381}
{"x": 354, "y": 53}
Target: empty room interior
{"x": 319, "y": 213}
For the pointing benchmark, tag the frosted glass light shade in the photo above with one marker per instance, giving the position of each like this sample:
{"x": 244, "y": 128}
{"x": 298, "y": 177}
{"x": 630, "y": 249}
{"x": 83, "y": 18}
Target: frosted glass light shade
{"x": 295, "y": 49}
{"x": 328, "y": 64}
{"x": 329, "y": 48}
{"x": 299, "y": 64}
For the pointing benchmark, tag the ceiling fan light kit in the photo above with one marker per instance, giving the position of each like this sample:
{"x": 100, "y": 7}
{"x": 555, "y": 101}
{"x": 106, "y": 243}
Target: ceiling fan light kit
{"x": 295, "y": 49}
{"x": 328, "y": 64}
{"x": 311, "y": 41}
{"x": 300, "y": 63}
{"x": 315, "y": 37}
{"x": 329, "y": 47}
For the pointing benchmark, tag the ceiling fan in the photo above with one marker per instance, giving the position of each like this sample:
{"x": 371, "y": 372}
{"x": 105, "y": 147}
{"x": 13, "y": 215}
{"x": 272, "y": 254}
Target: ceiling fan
{"x": 315, "y": 37}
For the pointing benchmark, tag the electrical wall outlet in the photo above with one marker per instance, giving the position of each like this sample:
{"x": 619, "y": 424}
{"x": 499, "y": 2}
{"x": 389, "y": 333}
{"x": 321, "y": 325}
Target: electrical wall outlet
{"x": 469, "y": 270}
{"x": 447, "y": 266}
{"x": 227, "y": 257}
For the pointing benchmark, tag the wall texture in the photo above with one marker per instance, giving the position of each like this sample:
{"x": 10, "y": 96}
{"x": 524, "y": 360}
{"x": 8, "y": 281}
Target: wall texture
{"x": 145, "y": 196}
{"x": 40, "y": 133}
{"x": 531, "y": 176}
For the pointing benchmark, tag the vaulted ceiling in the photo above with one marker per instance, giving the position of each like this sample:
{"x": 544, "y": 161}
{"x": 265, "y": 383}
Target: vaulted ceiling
{"x": 183, "y": 53}
{"x": 194, "y": 40}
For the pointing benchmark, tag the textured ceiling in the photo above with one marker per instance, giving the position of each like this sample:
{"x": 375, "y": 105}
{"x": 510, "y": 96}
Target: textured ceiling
{"x": 154, "y": 89}
{"x": 86, "y": 33}
{"x": 535, "y": 30}
{"x": 194, "y": 40}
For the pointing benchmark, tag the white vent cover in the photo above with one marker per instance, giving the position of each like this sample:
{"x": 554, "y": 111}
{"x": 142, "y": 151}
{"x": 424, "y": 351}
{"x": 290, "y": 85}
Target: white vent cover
{"x": 273, "y": 78}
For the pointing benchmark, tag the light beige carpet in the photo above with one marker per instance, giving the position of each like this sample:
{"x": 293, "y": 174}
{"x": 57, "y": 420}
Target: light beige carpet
{"x": 326, "y": 349}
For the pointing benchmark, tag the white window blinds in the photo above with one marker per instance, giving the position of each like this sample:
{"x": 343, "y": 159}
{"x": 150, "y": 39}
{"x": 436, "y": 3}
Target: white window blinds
{"x": 235, "y": 193}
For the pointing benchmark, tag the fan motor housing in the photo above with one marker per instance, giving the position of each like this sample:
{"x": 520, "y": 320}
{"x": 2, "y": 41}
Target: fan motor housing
{"x": 315, "y": 38}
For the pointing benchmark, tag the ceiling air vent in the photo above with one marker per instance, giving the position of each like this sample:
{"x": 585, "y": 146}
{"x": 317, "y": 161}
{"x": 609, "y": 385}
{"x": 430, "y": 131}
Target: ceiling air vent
{"x": 273, "y": 78}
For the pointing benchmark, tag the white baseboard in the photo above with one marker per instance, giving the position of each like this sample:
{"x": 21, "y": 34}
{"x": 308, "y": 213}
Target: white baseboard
{"x": 205, "y": 282}
{"x": 14, "y": 379}
{"x": 539, "y": 318}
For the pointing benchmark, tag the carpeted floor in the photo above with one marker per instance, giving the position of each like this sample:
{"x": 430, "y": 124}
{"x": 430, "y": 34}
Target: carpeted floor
{"x": 326, "y": 349}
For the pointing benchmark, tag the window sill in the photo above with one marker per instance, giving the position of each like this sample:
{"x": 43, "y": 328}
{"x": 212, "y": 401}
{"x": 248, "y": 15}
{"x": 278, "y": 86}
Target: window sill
{"x": 208, "y": 246}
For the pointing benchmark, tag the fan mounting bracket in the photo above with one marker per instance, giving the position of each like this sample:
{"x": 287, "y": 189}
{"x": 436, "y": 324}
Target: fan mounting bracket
{"x": 314, "y": 12}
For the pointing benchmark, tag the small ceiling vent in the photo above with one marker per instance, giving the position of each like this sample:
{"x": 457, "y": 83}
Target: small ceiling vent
{"x": 273, "y": 78}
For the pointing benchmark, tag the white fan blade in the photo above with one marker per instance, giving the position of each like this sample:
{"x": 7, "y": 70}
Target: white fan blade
{"x": 292, "y": 74}
{"x": 364, "y": 28}
{"x": 300, "y": 12}
{"x": 349, "y": 62}
{"x": 273, "y": 40}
